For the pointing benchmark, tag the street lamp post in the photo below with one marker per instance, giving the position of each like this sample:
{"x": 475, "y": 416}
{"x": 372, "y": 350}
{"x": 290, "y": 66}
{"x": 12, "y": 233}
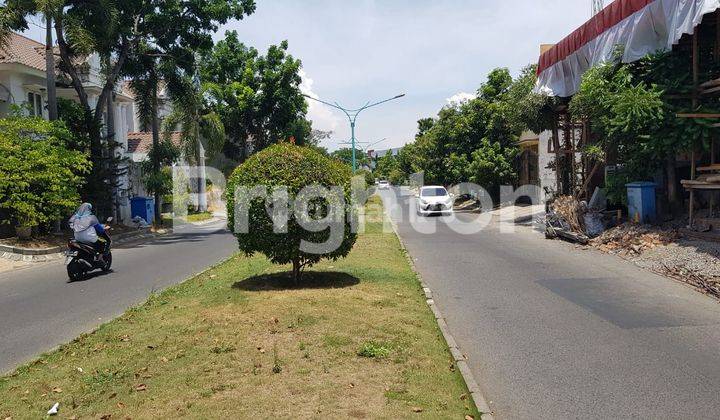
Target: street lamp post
{"x": 352, "y": 115}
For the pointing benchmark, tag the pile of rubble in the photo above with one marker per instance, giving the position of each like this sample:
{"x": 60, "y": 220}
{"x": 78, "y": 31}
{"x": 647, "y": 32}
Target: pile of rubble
{"x": 574, "y": 220}
{"x": 665, "y": 251}
{"x": 697, "y": 278}
{"x": 569, "y": 209}
{"x": 633, "y": 239}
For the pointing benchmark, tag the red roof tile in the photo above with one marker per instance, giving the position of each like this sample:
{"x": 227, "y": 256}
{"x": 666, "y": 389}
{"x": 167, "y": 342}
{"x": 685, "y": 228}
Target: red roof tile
{"x": 23, "y": 50}
{"x": 140, "y": 141}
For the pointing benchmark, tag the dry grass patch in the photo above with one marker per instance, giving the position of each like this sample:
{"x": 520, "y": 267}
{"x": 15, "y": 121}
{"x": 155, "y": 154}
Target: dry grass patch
{"x": 238, "y": 341}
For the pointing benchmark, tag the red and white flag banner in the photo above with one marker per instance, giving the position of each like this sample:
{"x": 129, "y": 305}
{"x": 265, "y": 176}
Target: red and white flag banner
{"x": 641, "y": 26}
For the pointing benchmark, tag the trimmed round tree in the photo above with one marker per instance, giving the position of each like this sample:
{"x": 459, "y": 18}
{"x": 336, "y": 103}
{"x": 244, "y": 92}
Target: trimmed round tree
{"x": 272, "y": 200}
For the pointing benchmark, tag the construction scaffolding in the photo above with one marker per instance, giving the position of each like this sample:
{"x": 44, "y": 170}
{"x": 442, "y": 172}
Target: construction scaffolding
{"x": 574, "y": 169}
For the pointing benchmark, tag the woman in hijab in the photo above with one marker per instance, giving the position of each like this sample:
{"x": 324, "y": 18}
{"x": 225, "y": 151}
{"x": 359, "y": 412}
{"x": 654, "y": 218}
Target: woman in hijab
{"x": 87, "y": 227}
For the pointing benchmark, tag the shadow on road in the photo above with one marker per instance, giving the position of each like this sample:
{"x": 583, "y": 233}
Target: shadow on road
{"x": 284, "y": 281}
{"x": 172, "y": 238}
{"x": 91, "y": 275}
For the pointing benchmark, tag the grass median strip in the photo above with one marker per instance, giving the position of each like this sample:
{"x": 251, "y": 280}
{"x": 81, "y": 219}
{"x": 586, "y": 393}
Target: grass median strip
{"x": 355, "y": 339}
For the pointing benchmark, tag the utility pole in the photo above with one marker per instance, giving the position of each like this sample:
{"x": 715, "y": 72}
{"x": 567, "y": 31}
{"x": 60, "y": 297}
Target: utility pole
{"x": 352, "y": 115}
{"x": 50, "y": 68}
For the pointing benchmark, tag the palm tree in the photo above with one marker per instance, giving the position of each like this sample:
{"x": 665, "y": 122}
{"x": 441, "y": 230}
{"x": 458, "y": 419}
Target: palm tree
{"x": 200, "y": 128}
{"x": 145, "y": 88}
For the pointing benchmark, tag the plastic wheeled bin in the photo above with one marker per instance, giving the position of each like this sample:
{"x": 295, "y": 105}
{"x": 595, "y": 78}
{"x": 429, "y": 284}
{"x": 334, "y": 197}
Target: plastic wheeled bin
{"x": 641, "y": 201}
{"x": 143, "y": 207}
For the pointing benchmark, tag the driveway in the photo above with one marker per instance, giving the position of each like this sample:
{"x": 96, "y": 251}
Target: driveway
{"x": 40, "y": 309}
{"x": 556, "y": 332}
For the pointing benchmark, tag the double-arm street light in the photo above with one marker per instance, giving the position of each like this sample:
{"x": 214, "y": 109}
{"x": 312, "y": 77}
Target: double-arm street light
{"x": 352, "y": 115}
{"x": 367, "y": 144}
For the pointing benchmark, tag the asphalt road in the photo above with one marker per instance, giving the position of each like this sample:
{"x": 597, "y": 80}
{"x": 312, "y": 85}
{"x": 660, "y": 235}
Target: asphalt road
{"x": 555, "y": 332}
{"x": 40, "y": 309}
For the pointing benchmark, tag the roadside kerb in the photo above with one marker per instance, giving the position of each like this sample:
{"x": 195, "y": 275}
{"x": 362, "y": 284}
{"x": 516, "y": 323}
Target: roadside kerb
{"x": 48, "y": 254}
{"x": 459, "y": 358}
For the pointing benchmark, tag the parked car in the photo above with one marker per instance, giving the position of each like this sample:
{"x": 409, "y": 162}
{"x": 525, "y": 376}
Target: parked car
{"x": 383, "y": 185}
{"x": 434, "y": 199}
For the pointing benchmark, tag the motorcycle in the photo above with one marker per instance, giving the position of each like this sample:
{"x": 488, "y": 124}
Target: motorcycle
{"x": 82, "y": 258}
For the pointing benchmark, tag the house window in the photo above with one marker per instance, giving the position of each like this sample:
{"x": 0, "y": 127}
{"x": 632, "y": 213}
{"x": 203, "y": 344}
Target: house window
{"x": 35, "y": 103}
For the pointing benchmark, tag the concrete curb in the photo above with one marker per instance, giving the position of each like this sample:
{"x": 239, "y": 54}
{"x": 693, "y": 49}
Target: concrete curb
{"x": 30, "y": 251}
{"x": 459, "y": 358}
{"x": 144, "y": 235}
{"x": 210, "y": 221}
{"x": 58, "y": 252}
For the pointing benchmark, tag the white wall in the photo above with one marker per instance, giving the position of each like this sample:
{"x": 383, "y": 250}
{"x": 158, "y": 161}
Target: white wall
{"x": 20, "y": 84}
{"x": 547, "y": 176}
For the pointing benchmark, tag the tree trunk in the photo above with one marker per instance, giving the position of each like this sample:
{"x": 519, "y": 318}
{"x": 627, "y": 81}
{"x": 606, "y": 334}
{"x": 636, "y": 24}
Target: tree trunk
{"x": 202, "y": 198}
{"x": 112, "y": 163}
{"x": 673, "y": 195}
{"x": 296, "y": 270}
{"x": 156, "y": 156}
{"x": 50, "y": 70}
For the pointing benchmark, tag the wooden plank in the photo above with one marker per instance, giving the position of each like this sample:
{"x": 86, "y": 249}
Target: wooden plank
{"x": 716, "y": 50}
{"x": 708, "y": 168}
{"x": 695, "y": 65}
{"x": 699, "y": 185}
{"x": 691, "y": 212}
{"x": 700, "y": 235}
{"x": 709, "y": 91}
{"x": 696, "y": 115}
{"x": 677, "y": 96}
{"x": 710, "y": 83}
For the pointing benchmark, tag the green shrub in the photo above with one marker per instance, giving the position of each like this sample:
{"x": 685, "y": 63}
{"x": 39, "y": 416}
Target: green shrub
{"x": 292, "y": 167}
{"x": 369, "y": 177}
{"x": 397, "y": 177}
{"x": 374, "y": 350}
{"x": 161, "y": 182}
{"x": 39, "y": 174}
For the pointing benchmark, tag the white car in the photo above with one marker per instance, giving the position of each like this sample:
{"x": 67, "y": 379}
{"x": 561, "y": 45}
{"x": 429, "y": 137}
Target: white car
{"x": 383, "y": 185}
{"x": 434, "y": 199}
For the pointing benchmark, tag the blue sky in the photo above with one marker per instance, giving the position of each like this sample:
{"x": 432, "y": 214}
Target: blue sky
{"x": 357, "y": 51}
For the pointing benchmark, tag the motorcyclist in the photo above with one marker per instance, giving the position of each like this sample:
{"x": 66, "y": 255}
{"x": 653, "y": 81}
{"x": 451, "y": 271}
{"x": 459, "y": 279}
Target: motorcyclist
{"x": 88, "y": 229}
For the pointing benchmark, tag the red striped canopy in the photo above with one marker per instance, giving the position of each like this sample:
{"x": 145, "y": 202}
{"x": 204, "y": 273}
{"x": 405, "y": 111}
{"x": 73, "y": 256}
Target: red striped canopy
{"x": 610, "y": 16}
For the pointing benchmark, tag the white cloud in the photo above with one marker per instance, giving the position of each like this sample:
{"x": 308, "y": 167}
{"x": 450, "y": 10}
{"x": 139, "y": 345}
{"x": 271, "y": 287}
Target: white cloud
{"x": 321, "y": 115}
{"x": 460, "y": 97}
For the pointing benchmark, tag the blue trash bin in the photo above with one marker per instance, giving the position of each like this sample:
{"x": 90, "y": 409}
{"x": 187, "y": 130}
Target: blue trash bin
{"x": 641, "y": 201}
{"x": 143, "y": 207}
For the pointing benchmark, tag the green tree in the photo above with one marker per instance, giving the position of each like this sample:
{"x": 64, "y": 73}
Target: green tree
{"x": 623, "y": 112}
{"x": 385, "y": 165}
{"x": 345, "y": 155}
{"x": 367, "y": 176}
{"x": 160, "y": 183}
{"x": 72, "y": 114}
{"x": 39, "y": 174}
{"x": 294, "y": 168}
{"x": 424, "y": 125}
{"x": 317, "y": 136}
{"x": 529, "y": 110}
{"x": 200, "y": 128}
{"x": 145, "y": 83}
{"x": 492, "y": 166}
{"x": 463, "y": 141}
{"x": 257, "y": 97}
{"x": 116, "y": 31}
{"x": 457, "y": 168}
